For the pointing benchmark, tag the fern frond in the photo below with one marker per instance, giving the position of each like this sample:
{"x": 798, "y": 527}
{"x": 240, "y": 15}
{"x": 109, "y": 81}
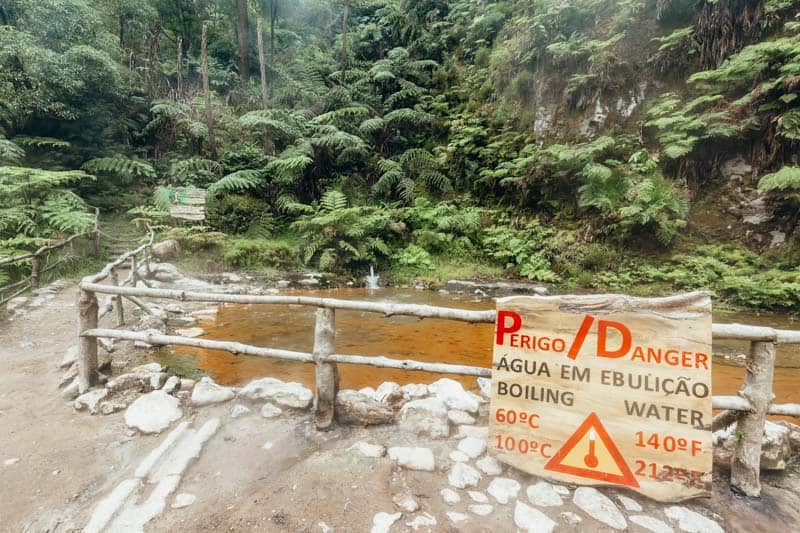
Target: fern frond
{"x": 41, "y": 142}
{"x": 121, "y": 166}
{"x": 241, "y": 180}
{"x": 10, "y": 153}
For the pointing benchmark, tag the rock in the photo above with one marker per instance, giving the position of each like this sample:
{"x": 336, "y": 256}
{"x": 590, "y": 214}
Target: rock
{"x": 239, "y": 410}
{"x": 359, "y": 409}
{"x": 570, "y": 518}
{"x": 691, "y": 521}
{"x": 70, "y": 357}
{"x": 153, "y": 412}
{"x": 413, "y": 458}
{"x": 181, "y": 322}
{"x": 423, "y": 520}
{"x": 794, "y": 435}
{"x": 163, "y": 272}
{"x": 191, "y": 332}
{"x": 406, "y": 502}
{"x": 776, "y": 446}
{"x": 736, "y": 166}
{"x": 166, "y": 250}
{"x": 472, "y": 446}
{"x": 479, "y": 432}
{"x": 140, "y": 381}
{"x": 462, "y": 476}
{"x": 108, "y": 408}
{"x": 529, "y": 519}
{"x": 414, "y": 391}
{"x": 450, "y": 496}
{"x": 629, "y": 504}
{"x": 489, "y": 466}
{"x": 172, "y": 384}
{"x": 458, "y": 457}
{"x": 381, "y": 522}
{"x": 90, "y": 400}
{"x": 369, "y": 450}
{"x": 427, "y": 416}
{"x": 598, "y": 506}
{"x": 778, "y": 238}
{"x": 293, "y": 395}
{"x": 562, "y": 490}
{"x": 14, "y": 305}
{"x": 483, "y": 509}
{"x": 368, "y": 391}
{"x": 11, "y": 462}
{"x": 454, "y": 396}
{"x": 158, "y": 380}
{"x": 148, "y": 368}
{"x": 544, "y": 495}
{"x": 485, "y": 385}
{"x": 503, "y": 489}
{"x": 456, "y": 517}
{"x": 386, "y": 389}
{"x": 270, "y": 411}
{"x": 650, "y": 524}
{"x": 71, "y": 391}
{"x": 229, "y": 277}
{"x": 209, "y": 313}
{"x": 459, "y": 417}
{"x": 478, "y": 496}
{"x": 69, "y": 376}
{"x": 206, "y": 392}
{"x": 187, "y": 384}
{"x": 184, "y": 499}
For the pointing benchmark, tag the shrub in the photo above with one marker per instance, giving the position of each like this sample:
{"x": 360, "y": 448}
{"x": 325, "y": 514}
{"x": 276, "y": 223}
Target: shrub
{"x": 237, "y": 214}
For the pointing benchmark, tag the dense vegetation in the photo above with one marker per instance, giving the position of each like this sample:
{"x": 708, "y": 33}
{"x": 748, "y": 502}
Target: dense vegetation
{"x": 580, "y": 143}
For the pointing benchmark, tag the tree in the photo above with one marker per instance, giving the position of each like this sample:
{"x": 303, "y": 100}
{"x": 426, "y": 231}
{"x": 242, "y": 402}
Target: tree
{"x": 244, "y": 49}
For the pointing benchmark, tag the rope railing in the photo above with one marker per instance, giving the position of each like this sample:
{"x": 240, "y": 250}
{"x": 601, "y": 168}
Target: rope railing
{"x": 748, "y": 410}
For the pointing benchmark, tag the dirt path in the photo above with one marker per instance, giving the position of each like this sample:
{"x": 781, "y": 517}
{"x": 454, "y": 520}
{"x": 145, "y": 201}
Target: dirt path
{"x": 59, "y": 467}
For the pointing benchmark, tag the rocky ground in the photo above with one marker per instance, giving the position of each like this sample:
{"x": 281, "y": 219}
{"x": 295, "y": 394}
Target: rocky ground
{"x": 162, "y": 453}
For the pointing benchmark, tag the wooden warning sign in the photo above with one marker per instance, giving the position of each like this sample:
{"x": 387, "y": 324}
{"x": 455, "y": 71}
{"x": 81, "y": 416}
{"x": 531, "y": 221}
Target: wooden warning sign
{"x": 605, "y": 390}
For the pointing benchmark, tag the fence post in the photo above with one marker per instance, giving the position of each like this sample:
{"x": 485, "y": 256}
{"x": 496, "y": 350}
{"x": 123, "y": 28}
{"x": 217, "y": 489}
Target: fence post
{"x": 327, "y": 374}
{"x": 118, "y": 300}
{"x": 746, "y": 461}
{"x": 87, "y": 356}
{"x": 36, "y": 271}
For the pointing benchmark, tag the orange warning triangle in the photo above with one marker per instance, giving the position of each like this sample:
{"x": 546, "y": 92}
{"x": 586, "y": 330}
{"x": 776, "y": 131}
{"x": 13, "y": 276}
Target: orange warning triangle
{"x": 591, "y": 453}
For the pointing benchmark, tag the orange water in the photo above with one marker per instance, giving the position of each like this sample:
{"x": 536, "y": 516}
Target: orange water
{"x": 292, "y": 327}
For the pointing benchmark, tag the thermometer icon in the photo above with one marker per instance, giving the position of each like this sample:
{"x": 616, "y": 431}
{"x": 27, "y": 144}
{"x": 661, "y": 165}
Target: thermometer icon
{"x": 590, "y": 459}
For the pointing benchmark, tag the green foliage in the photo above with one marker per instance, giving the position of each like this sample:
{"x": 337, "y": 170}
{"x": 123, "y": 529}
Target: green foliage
{"x": 786, "y": 180}
{"x": 525, "y": 250}
{"x": 126, "y": 169}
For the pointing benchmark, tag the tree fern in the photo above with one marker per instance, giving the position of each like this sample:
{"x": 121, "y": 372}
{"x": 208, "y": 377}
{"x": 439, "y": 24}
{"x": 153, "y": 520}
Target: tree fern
{"x": 41, "y": 142}
{"x": 10, "y": 153}
{"x": 239, "y": 181}
{"x": 787, "y": 179}
{"x": 121, "y": 166}
{"x": 333, "y": 201}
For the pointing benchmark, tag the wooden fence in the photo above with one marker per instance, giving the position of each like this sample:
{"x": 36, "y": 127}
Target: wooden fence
{"x": 748, "y": 410}
{"x": 37, "y": 261}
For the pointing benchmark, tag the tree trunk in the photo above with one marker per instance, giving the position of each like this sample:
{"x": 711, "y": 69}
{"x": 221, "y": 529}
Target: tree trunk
{"x": 261, "y": 65}
{"x": 179, "y": 67}
{"x": 212, "y": 143}
{"x": 273, "y": 15}
{"x": 344, "y": 39}
{"x": 241, "y": 29}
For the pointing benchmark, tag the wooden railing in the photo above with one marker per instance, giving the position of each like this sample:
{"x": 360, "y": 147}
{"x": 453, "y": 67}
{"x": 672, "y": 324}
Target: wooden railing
{"x": 36, "y": 259}
{"x": 749, "y": 409}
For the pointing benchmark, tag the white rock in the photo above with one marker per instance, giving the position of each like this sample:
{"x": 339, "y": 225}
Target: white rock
{"x": 153, "y": 412}
{"x": 629, "y": 504}
{"x": 172, "y": 384}
{"x": 239, "y": 410}
{"x": 599, "y": 507}
{"x": 206, "y": 392}
{"x": 149, "y": 368}
{"x": 454, "y": 396}
{"x": 191, "y": 332}
{"x": 184, "y": 499}
{"x": 450, "y": 496}
{"x": 413, "y": 391}
{"x": 503, "y": 489}
{"x": 462, "y": 476}
{"x": 270, "y": 411}
{"x": 485, "y": 385}
{"x": 472, "y": 446}
{"x": 532, "y": 520}
{"x": 650, "y": 524}
{"x": 369, "y": 450}
{"x": 70, "y": 357}
{"x": 15, "y": 460}
{"x": 691, "y": 521}
{"x": 544, "y": 495}
{"x": 456, "y": 517}
{"x": 489, "y": 466}
{"x": 406, "y": 502}
{"x": 292, "y": 394}
{"x": 427, "y": 416}
{"x": 460, "y": 417}
{"x": 71, "y": 391}
{"x": 90, "y": 400}
{"x": 381, "y": 522}
{"x": 561, "y": 489}
{"x": 187, "y": 384}
{"x": 477, "y": 496}
{"x": 458, "y": 456}
{"x": 571, "y": 518}
{"x": 423, "y": 520}
{"x": 385, "y": 389}
{"x": 368, "y": 391}
{"x": 413, "y": 458}
{"x": 209, "y": 313}
{"x": 268, "y": 445}
{"x": 479, "y": 432}
{"x": 482, "y": 509}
